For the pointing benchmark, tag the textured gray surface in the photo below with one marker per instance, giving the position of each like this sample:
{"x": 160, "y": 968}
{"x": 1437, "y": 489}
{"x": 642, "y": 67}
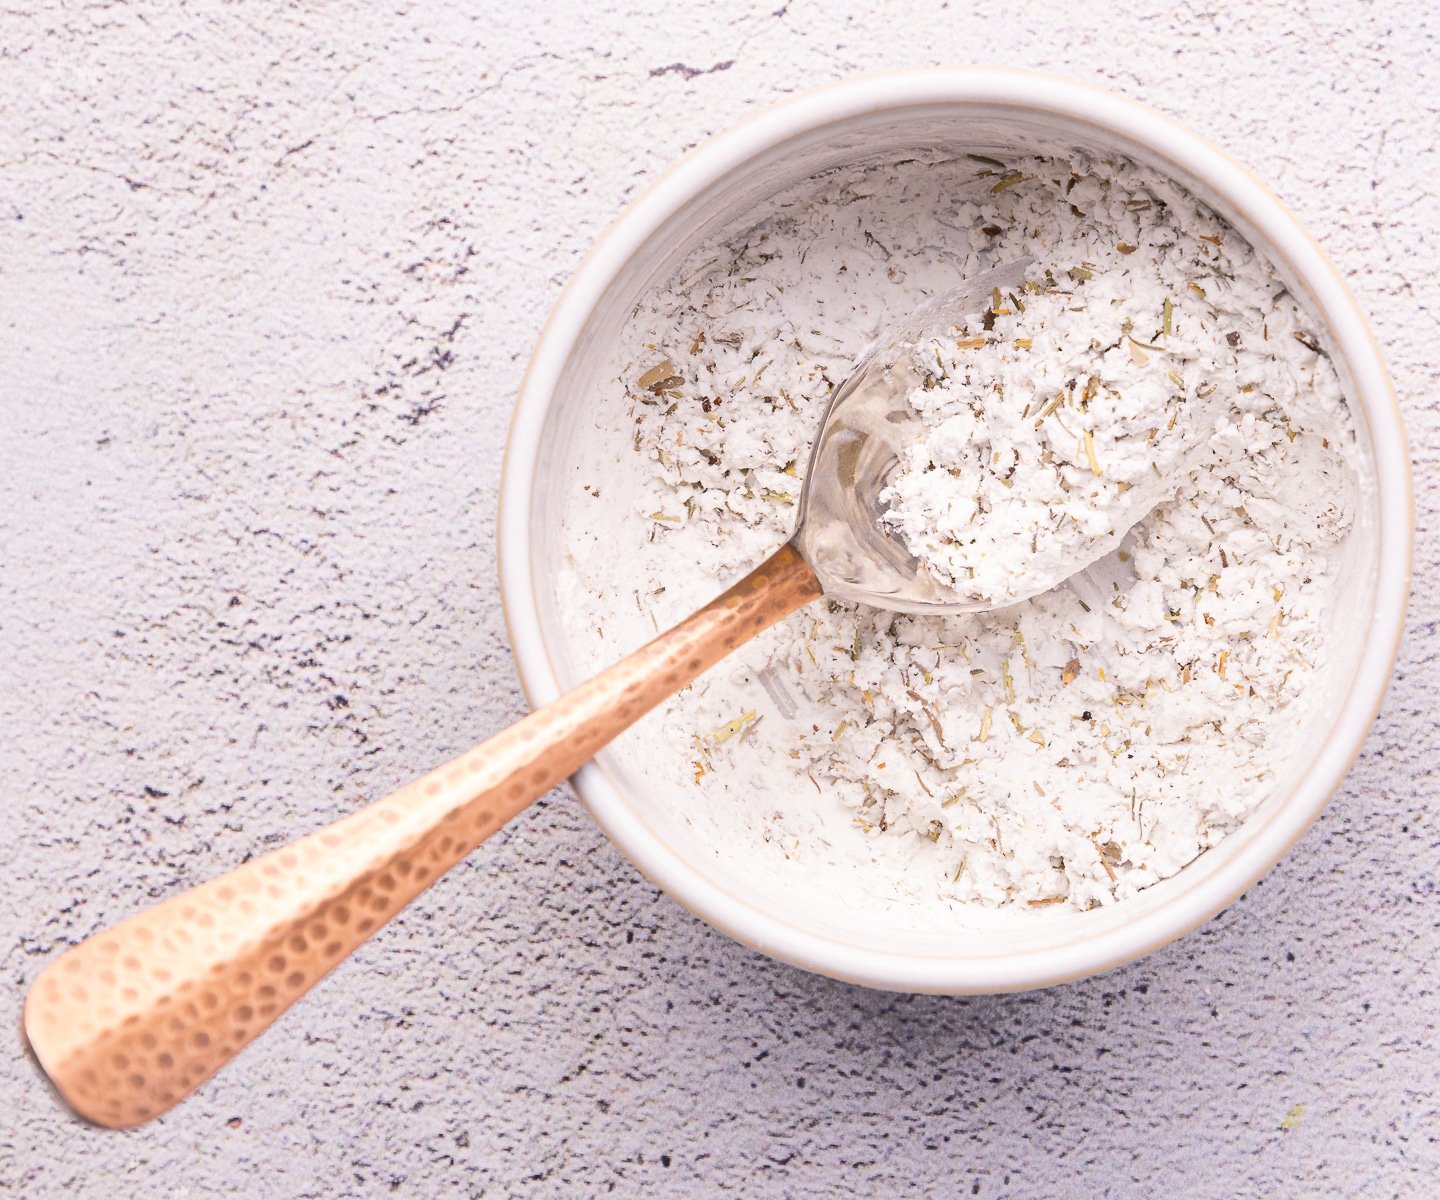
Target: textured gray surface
{"x": 268, "y": 278}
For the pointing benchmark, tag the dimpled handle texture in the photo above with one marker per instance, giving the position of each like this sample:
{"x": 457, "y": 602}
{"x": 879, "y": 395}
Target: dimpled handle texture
{"x": 131, "y": 1020}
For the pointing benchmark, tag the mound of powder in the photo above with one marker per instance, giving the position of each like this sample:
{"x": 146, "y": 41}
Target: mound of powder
{"x": 1075, "y": 746}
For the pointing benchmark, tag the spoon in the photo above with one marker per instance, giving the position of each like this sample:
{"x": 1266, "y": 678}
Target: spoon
{"x": 130, "y": 1021}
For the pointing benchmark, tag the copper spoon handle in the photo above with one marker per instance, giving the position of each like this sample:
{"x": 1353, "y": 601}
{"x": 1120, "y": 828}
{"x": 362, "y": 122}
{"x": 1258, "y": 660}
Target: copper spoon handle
{"x": 130, "y": 1021}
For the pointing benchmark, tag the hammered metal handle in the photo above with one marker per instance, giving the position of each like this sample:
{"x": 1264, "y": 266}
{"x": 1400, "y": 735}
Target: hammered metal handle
{"x": 130, "y": 1021}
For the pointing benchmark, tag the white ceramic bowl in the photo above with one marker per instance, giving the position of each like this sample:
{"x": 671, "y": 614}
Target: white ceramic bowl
{"x": 869, "y": 119}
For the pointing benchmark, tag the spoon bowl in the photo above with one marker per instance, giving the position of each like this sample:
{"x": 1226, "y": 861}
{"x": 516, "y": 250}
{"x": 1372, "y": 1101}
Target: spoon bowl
{"x": 867, "y": 425}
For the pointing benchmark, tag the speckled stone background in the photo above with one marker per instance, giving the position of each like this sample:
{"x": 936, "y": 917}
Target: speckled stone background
{"x": 269, "y": 274}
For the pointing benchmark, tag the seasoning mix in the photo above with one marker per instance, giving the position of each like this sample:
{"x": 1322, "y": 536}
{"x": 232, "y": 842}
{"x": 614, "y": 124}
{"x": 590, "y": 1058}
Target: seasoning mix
{"x": 1151, "y": 398}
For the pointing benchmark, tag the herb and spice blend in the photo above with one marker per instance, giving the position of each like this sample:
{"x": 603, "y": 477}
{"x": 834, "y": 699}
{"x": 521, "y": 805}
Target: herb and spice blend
{"x": 1151, "y": 398}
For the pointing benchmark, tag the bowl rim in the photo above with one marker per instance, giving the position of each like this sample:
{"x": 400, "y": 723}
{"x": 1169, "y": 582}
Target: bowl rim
{"x": 703, "y": 167}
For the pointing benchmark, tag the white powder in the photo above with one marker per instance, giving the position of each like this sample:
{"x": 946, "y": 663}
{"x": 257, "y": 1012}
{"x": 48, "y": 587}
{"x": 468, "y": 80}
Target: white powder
{"x": 1074, "y": 747}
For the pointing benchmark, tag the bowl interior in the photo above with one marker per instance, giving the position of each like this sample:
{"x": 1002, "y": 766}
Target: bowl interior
{"x": 832, "y": 909}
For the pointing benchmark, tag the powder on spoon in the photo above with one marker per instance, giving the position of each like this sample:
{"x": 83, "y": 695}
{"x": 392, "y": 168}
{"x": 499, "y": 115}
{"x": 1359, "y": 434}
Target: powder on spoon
{"x": 1066, "y": 411}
